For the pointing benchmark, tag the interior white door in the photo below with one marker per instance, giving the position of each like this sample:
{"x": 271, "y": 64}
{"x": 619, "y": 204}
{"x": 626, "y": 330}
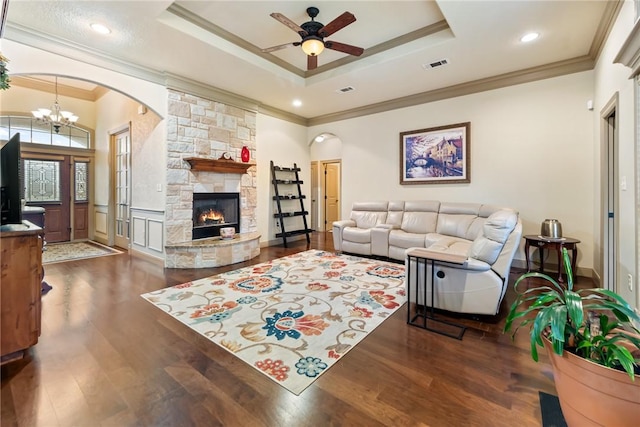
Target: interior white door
{"x": 611, "y": 233}
{"x": 122, "y": 187}
{"x": 314, "y": 196}
{"x": 332, "y": 194}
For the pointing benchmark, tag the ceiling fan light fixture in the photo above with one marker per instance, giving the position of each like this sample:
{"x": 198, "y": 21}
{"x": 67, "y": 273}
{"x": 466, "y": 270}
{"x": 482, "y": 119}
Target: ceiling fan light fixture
{"x": 312, "y": 46}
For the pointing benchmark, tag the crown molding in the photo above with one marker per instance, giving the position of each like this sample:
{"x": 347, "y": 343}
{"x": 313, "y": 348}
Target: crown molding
{"x": 609, "y": 16}
{"x": 629, "y": 54}
{"x": 575, "y": 65}
{"x": 77, "y": 52}
{"x": 218, "y": 31}
{"x": 193, "y": 87}
{"x": 214, "y": 29}
{"x": 3, "y": 16}
{"x": 283, "y": 115}
{"x": 379, "y": 48}
{"x": 46, "y": 86}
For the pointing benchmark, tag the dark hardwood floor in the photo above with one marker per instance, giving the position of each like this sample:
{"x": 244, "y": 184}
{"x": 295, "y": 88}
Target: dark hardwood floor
{"x": 106, "y": 357}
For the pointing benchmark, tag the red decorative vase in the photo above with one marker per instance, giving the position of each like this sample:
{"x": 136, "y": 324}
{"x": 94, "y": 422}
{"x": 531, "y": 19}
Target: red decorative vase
{"x": 245, "y": 155}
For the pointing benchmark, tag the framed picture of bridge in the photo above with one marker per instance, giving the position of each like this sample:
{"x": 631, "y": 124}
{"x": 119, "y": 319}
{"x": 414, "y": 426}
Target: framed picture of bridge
{"x": 438, "y": 155}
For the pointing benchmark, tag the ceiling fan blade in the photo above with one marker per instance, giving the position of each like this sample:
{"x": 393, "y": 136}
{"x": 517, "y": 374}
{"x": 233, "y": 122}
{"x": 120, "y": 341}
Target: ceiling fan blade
{"x": 346, "y": 48}
{"x": 337, "y": 24}
{"x": 312, "y": 62}
{"x": 289, "y": 23}
{"x": 279, "y": 47}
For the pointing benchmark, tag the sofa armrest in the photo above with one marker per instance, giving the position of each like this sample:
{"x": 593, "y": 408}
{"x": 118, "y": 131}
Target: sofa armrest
{"x": 471, "y": 264}
{"x": 338, "y": 228}
{"x": 340, "y": 225}
{"x": 380, "y": 239}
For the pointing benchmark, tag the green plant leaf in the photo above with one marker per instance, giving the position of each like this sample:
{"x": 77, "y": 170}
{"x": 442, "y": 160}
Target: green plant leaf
{"x": 534, "y": 345}
{"x": 624, "y": 357}
{"x": 558, "y": 321}
{"x": 543, "y": 276}
{"x": 567, "y": 268}
{"x": 574, "y": 308}
{"x": 618, "y": 303}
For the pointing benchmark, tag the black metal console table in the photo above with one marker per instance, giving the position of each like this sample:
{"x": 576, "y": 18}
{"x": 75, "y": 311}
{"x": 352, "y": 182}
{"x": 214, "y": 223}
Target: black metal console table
{"x": 424, "y": 314}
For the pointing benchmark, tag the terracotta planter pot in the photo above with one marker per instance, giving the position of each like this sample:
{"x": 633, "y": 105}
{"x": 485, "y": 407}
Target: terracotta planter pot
{"x": 592, "y": 394}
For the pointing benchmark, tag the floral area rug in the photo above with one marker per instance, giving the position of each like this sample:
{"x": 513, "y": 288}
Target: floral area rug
{"x": 291, "y": 318}
{"x": 59, "y": 252}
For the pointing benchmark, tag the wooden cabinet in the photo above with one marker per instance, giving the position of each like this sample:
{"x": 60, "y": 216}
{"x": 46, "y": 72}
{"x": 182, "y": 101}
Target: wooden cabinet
{"x": 20, "y": 288}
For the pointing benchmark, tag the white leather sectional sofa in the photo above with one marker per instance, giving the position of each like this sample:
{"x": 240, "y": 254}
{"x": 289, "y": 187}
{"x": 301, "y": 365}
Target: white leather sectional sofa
{"x": 488, "y": 236}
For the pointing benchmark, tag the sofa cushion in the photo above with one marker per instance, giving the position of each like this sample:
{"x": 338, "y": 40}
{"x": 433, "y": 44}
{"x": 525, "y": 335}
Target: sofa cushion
{"x": 370, "y": 206}
{"x": 420, "y": 217}
{"x": 442, "y": 243}
{"x": 495, "y": 232}
{"x": 500, "y": 224}
{"x": 460, "y": 208}
{"x": 455, "y": 225}
{"x": 475, "y": 229}
{"x": 356, "y": 235}
{"x": 394, "y": 216}
{"x": 402, "y": 239}
{"x": 367, "y": 219}
{"x": 455, "y": 219}
{"x": 419, "y": 222}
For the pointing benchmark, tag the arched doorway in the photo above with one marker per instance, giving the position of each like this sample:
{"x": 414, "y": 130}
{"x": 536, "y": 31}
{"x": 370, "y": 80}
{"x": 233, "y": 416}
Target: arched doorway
{"x": 326, "y": 181}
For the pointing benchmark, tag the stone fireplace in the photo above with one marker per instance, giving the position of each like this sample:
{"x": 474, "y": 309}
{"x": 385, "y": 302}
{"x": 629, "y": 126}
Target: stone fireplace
{"x": 198, "y": 128}
{"x": 212, "y": 211}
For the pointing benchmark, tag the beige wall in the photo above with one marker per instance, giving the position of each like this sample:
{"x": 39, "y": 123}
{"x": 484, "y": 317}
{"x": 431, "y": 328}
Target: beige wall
{"x": 531, "y": 149}
{"x": 25, "y": 100}
{"x": 27, "y": 60}
{"x": 148, "y": 150}
{"x": 613, "y": 80}
{"x": 285, "y": 143}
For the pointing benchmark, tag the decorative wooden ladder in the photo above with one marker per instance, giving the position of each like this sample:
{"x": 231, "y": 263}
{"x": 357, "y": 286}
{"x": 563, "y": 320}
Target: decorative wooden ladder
{"x": 289, "y": 177}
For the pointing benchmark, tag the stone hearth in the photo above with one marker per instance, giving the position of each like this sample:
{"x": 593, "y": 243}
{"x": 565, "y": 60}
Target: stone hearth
{"x": 213, "y": 252}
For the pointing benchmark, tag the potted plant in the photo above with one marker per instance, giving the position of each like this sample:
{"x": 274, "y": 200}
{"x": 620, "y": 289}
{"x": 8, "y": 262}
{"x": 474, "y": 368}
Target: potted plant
{"x": 590, "y": 336}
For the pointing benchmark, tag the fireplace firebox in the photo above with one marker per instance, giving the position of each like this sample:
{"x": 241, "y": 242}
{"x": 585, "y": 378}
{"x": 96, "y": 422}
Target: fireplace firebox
{"x": 212, "y": 211}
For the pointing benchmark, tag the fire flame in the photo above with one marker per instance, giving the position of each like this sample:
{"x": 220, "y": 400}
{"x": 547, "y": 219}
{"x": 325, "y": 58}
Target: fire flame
{"x": 211, "y": 215}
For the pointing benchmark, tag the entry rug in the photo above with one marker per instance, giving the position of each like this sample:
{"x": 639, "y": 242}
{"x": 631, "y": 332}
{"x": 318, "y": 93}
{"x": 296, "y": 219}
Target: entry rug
{"x": 291, "y": 318}
{"x": 59, "y": 252}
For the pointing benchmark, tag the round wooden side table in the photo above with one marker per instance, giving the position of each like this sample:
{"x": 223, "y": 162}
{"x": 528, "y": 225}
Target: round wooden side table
{"x": 543, "y": 243}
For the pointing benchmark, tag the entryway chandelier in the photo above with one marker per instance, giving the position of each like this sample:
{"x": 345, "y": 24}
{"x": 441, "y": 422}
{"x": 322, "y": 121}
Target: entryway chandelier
{"x": 54, "y": 116}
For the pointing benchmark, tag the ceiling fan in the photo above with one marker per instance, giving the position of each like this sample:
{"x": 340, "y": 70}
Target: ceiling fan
{"x": 313, "y": 34}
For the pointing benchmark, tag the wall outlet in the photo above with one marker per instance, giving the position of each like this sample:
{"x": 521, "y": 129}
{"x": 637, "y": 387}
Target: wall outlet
{"x": 158, "y": 187}
{"x": 277, "y": 224}
{"x": 630, "y": 282}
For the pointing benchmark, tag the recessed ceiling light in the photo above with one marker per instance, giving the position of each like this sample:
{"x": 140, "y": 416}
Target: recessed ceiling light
{"x": 529, "y": 37}
{"x": 297, "y": 103}
{"x": 99, "y": 28}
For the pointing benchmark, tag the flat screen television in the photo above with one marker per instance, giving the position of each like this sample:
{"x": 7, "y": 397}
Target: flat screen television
{"x": 11, "y": 181}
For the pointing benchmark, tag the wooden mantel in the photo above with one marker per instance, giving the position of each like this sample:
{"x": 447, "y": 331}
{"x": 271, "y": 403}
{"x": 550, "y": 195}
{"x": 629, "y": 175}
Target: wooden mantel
{"x": 218, "y": 165}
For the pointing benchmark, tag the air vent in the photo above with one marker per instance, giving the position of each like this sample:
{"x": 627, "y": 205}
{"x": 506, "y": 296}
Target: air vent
{"x": 435, "y": 64}
{"x": 346, "y": 89}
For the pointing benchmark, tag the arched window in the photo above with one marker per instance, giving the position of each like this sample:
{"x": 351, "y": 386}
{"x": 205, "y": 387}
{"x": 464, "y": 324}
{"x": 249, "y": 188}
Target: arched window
{"x": 32, "y": 131}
